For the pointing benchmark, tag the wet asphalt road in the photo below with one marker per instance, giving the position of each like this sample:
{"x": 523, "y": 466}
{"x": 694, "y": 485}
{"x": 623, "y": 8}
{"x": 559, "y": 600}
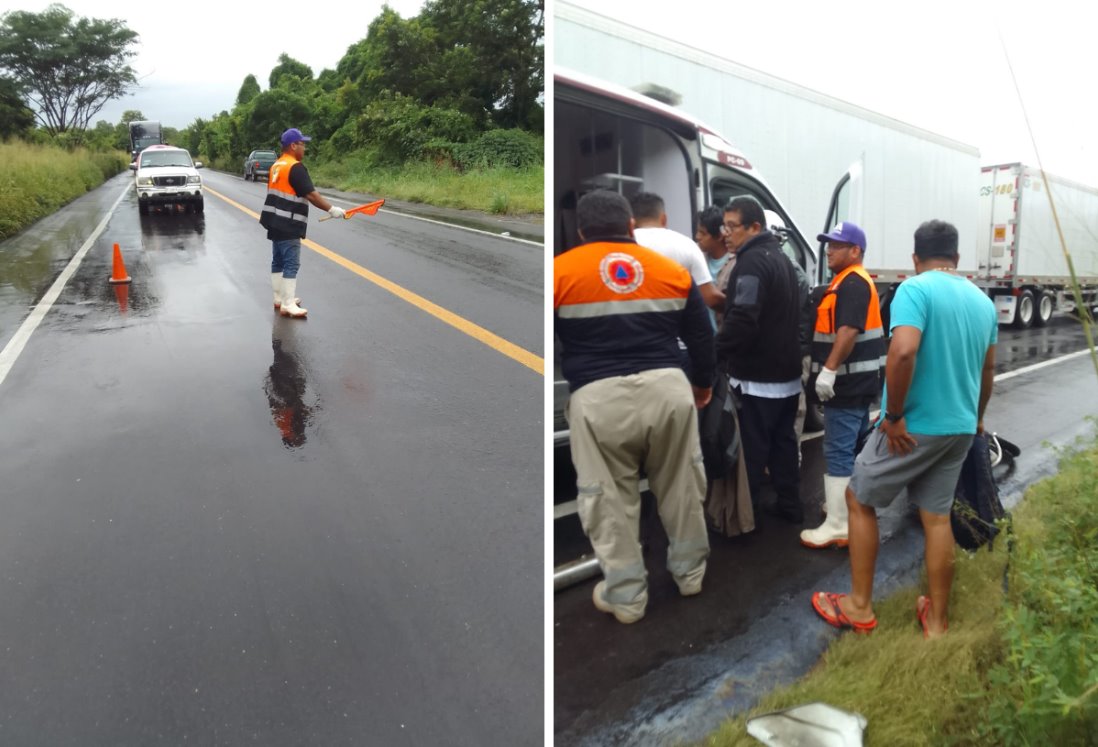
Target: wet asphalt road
{"x": 218, "y": 526}
{"x": 691, "y": 662}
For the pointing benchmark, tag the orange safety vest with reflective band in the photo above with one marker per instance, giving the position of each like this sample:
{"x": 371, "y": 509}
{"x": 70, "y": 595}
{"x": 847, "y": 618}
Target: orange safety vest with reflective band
{"x": 283, "y": 211}
{"x": 858, "y": 378}
{"x": 620, "y": 308}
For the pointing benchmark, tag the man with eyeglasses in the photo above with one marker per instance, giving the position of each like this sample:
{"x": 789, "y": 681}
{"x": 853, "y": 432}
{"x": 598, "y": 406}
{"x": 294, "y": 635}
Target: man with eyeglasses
{"x": 848, "y": 357}
{"x": 758, "y": 345}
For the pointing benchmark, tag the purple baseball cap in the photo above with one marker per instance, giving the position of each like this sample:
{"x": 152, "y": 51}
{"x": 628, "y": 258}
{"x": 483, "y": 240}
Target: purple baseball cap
{"x": 846, "y": 233}
{"x": 293, "y": 135}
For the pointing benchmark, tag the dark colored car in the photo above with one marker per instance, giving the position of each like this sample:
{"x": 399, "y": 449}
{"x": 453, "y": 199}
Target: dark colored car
{"x": 258, "y": 163}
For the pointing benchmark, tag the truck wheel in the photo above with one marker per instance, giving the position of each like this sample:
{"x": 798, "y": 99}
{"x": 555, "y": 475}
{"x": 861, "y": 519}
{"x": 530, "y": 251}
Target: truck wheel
{"x": 1044, "y": 309}
{"x": 143, "y": 208}
{"x": 246, "y": 177}
{"x": 199, "y": 205}
{"x": 1024, "y": 310}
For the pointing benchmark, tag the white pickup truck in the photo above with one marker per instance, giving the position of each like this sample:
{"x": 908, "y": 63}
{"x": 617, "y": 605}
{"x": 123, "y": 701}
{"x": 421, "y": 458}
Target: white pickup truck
{"x": 166, "y": 176}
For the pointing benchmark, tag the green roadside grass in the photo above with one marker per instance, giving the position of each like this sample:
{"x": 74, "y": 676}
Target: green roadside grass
{"x": 1018, "y": 667}
{"x": 39, "y": 179}
{"x": 499, "y": 191}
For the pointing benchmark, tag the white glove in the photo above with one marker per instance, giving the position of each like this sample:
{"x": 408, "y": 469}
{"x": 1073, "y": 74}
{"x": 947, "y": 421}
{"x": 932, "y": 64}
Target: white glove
{"x": 336, "y": 212}
{"x": 825, "y": 384}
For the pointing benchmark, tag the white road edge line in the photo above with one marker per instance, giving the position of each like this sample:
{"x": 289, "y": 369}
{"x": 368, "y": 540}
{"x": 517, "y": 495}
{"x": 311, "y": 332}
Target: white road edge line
{"x": 19, "y": 340}
{"x": 449, "y": 225}
{"x": 1043, "y": 364}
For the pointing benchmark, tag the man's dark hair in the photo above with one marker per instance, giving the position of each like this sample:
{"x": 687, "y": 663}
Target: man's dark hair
{"x": 647, "y": 206}
{"x": 711, "y": 219}
{"x": 749, "y": 209}
{"x": 936, "y": 239}
{"x": 603, "y": 214}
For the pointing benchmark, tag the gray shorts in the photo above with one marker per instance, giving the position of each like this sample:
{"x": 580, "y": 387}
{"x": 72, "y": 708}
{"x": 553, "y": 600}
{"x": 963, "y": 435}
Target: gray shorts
{"x": 929, "y": 472}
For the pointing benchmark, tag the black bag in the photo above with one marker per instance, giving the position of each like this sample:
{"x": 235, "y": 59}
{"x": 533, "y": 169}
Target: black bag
{"x": 976, "y": 504}
{"x": 719, "y": 439}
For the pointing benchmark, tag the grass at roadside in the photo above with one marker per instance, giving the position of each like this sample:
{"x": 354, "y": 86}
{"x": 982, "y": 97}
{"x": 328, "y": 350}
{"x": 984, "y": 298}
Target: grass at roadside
{"x": 1017, "y": 668}
{"x": 38, "y": 179}
{"x": 501, "y": 191}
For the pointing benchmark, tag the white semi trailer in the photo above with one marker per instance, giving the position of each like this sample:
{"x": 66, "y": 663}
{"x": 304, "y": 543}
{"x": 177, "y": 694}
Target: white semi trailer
{"x": 1021, "y": 260}
{"x": 892, "y": 176}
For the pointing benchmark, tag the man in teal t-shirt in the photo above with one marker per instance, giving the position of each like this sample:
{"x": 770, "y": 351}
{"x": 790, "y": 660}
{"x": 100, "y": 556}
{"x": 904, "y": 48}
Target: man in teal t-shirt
{"x": 938, "y": 380}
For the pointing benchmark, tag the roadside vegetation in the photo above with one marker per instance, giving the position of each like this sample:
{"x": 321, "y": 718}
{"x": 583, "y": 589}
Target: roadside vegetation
{"x": 1019, "y": 665}
{"x": 38, "y": 179}
{"x": 499, "y": 190}
{"x": 445, "y": 107}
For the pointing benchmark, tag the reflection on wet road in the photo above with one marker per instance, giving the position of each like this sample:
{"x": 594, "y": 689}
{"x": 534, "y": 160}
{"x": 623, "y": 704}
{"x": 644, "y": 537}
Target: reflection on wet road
{"x": 292, "y": 404}
{"x": 1018, "y": 348}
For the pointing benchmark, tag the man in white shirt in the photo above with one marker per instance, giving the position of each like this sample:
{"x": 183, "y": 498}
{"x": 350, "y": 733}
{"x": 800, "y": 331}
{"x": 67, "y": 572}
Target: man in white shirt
{"x": 652, "y": 232}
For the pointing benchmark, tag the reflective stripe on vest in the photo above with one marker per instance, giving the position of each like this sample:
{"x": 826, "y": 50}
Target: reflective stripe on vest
{"x": 283, "y": 210}
{"x": 869, "y": 334}
{"x": 872, "y": 364}
{"x": 613, "y": 308}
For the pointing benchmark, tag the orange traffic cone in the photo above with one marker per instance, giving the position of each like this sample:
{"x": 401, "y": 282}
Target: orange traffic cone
{"x": 118, "y": 273}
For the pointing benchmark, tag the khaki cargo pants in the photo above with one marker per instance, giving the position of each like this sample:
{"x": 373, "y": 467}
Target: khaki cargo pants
{"x": 619, "y": 426}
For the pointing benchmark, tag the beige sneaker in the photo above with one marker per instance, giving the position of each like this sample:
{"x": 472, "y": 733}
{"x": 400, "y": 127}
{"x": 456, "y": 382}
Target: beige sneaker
{"x": 626, "y": 618}
{"x": 691, "y": 590}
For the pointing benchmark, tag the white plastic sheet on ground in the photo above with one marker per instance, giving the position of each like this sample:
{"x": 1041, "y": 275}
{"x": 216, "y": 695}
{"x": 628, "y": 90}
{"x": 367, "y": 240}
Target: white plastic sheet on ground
{"x": 811, "y": 725}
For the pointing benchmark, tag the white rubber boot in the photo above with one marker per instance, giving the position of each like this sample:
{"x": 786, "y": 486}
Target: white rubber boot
{"x": 833, "y": 532}
{"x": 289, "y": 301}
{"x": 276, "y": 284}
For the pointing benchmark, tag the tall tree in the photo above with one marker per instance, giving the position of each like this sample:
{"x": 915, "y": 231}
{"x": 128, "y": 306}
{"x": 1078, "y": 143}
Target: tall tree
{"x": 493, "y": 49}
{"x": 272, "y": 113}
{"x": 15, "y": 117}
{"x": 70, "y": 67}
{"x": 287, "y": 66}
{"x": 249, "y": 89}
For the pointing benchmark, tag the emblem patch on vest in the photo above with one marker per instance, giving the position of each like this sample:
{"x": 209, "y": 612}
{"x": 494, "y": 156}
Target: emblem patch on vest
{"x": 621, "y": 273}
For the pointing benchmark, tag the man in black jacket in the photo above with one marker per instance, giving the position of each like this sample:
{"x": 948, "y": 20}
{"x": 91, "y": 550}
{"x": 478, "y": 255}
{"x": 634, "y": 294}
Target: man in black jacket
{"x": 759, "y": 346}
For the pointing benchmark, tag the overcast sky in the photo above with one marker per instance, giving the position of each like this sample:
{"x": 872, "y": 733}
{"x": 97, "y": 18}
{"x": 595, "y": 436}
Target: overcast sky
{"x": 192, "y": 57}
{"x": 935, "y": 64}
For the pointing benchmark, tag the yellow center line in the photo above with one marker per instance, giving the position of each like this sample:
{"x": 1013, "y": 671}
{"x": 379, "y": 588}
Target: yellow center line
{"x": 492, "y": 340}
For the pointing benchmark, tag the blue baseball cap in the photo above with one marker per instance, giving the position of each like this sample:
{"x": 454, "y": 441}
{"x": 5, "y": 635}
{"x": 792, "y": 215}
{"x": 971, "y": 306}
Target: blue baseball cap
{"x": 293, "y": 135}
{"x": 846, "y": 233}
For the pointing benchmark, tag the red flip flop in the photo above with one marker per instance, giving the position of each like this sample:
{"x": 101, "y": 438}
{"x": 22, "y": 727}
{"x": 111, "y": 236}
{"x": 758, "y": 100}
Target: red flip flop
{"x": 922, "y": 611}
{"x": 827, "y": 606}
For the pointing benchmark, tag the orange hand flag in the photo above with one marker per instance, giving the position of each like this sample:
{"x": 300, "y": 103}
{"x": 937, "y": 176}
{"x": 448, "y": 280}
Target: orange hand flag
{"x": 370, "y": 208}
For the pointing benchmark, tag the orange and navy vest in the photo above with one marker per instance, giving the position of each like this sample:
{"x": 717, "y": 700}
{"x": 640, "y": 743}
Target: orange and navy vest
{"x": 858, "y": 379}
{"x": 283, "y": 211}
{"x": 620, "y": 309}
